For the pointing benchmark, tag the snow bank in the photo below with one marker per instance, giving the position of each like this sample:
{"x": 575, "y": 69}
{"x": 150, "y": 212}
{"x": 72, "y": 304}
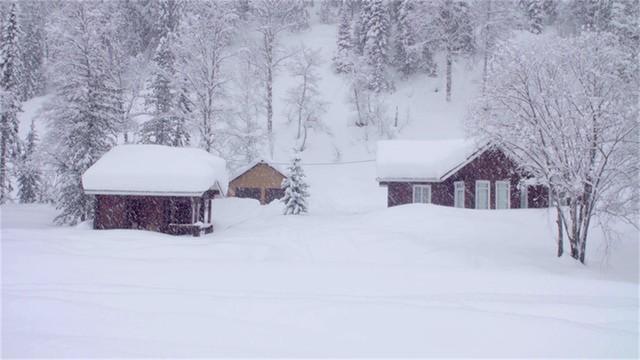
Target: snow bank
{"x": 424, "y": 160}
{"x": 409, "y": 281}
{"x": 156, "y": 169}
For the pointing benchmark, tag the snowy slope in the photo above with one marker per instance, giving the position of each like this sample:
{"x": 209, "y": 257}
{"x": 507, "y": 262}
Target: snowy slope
{"x": 400, "y": 282}
{"x": 423, "y": 112}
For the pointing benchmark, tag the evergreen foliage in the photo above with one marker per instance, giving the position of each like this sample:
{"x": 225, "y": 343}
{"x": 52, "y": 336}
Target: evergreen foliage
{"x": 167, "y": 99}
{"x": 86, "y": 109}
{"x": 29, "y": 176}
{"x": 342, "y": 59}
{"x": 377, "y": 46}
{"x": 11, "y": 79}
{"x": 295, "y": 189}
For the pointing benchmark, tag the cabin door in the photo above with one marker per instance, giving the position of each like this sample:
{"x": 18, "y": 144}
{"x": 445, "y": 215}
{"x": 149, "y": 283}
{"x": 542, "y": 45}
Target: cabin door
{"x": 134, "y": 216}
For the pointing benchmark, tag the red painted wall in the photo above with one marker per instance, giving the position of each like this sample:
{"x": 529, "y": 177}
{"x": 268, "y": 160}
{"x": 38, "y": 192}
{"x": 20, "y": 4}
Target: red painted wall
{"x": 493, "y": 165}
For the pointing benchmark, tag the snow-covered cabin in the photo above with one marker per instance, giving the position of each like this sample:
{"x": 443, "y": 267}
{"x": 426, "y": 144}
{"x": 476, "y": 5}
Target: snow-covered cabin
{"x": 155, "y": 187}
{"x": 259, "y": 180}
{"x": 458, "y": 172}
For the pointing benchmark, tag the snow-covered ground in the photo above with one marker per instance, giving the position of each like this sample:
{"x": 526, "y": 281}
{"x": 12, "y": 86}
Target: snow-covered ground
{"x": 408, "y": 281}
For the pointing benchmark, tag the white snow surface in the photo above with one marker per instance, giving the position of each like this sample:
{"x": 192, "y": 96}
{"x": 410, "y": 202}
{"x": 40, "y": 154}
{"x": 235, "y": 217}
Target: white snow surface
{"x": 156, "y": 169}
{"x": 410, "y": 281}
{"x": 422, "y": 159}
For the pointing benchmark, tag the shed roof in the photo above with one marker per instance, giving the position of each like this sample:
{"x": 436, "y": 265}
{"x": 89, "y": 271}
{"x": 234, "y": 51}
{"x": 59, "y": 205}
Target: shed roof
{"x": 434, "y": 160}
{"x": 156, "y": 170}
{"x": 242, "y": 170}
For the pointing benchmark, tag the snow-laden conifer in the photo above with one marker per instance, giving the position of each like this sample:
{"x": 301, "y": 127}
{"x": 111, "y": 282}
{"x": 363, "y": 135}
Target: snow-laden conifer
{"x": 295, "y": 189}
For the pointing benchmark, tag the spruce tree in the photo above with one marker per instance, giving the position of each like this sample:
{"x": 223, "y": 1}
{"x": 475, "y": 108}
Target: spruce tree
{"x": 29, "y": 177}
{"x": 295, "y": 189}
{"x": 534, "y": 12}
{"x": 32, "y": 22}
{"x": 167, "y": 99}
{"x": 342, "y": 59}
{"x": 10, "y": 85}
{"x": 86, "y": 110}
{"x": 407, "y": 56}
{"x": 376, "y": 46}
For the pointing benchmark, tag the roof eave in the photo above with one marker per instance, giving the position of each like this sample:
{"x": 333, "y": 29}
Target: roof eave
{"x": 143, "y": 193}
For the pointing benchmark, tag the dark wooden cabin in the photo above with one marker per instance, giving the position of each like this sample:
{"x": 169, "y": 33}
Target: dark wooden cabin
{"x": 456, "y": 173}
{"x": 261, "y": 181}
{"x": 157, "y": 188}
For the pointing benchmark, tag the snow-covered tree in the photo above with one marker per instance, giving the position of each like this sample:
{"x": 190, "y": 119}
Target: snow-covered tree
{"x": 202, "y": 53}
{"x": 455, "y": 30}
{"x": 305, "y": 106}
{"x": 29, "y": 174}
{"x": 32, "y": 20}
{"x": 295, "y": 189}
{"x": 376, "y": 46}
{"x": 495, "y": 22}
{"x": 245, "y": 137}
{"x": 11, "y": 80}
{"x": 342, "y": 57}
{"x": 534, "y": 12}
{"x": 169, "y": 17}
{"x": 407, "y": 53}
{"x": 85, "y": 110}
{"x": 564, "y": 110}
{"x": 167, "y": 99}
{"x": 272, "y": 18}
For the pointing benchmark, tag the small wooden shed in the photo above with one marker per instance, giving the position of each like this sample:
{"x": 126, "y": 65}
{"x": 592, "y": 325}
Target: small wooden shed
{"x": 260, "y": 180}
{"x": 157, "y": 188}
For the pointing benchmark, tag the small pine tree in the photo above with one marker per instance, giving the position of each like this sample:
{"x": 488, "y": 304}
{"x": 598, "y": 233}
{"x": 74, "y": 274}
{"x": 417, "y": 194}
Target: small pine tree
{"x": 295, "y": 189}
{"x": 28, "y": 173}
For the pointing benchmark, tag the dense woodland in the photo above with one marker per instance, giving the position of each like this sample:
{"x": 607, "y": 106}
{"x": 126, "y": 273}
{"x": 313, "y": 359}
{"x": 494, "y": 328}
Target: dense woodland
{"x": 559, "y": 85}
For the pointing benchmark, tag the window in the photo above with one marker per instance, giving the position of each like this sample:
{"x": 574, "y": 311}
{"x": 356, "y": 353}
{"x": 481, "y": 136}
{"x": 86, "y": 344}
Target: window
{"x": 503, "y": 195}
{"x": 482, "y": 194}
{"x": 524, "y": 197}
{"x": 458, "y": 194}
{"x": 422, "y": 194}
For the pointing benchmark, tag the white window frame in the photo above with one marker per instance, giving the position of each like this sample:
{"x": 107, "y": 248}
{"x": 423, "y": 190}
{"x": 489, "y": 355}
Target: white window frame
{"x": 456, "y": 187}
{"x": 508, "y": 184}
{"x": 524, "y": 197}
{"x": 423, "y": 187}
{"x": 488, "y": 183}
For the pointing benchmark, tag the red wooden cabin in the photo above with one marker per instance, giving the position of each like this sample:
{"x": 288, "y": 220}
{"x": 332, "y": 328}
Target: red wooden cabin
{"x": 455, "y": 173}
{"x": 158, "y": 188}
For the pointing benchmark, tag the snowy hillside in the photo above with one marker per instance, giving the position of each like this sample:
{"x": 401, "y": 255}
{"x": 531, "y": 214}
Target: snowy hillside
{"x": 406, "y": 281}
{"x": 423, "y": 112}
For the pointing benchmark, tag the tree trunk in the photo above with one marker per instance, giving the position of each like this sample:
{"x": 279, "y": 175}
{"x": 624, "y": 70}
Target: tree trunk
{"x": 449, "y": 65}
{"x": 574, "y": 235}
{"x": 356, "y": 97}
{"x": 268, "y": 48}
{"x": 560, "y": 231}
{"x": 3, "y": 160}
{"x": 486, "y": 48}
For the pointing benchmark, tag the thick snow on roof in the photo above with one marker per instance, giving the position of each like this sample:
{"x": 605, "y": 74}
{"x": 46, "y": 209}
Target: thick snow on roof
{"x": 422, "y": 160}
{"x": 156, "y": 169}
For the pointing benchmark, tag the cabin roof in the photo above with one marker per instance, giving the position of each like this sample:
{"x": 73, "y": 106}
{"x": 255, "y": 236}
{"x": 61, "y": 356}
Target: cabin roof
{"x": 421, "y": 160}
{"x": 156, "y": 170}
{"x": 244, "y": 169}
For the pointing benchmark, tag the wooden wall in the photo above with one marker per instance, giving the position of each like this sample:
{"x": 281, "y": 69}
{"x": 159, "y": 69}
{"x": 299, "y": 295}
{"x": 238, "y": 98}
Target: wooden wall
{"x": 493, "y": 165}
{"x": 257, "y": 180}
